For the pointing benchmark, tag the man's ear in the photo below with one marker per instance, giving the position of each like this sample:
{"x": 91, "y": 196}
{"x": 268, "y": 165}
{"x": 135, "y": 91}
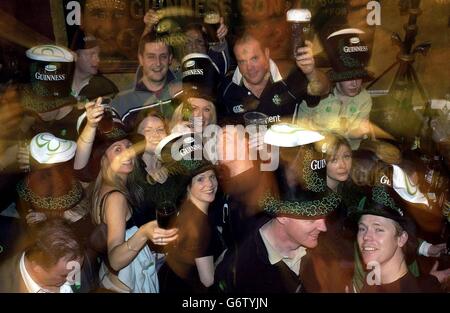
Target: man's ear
{"x": 170, "y": 58}
{"x": 267, "y": 53}
{"x": 402, "y": 239}
{"x": 282, "y": 219}
{"x": 141, "y": 59}
{"x": 36, "y": 268}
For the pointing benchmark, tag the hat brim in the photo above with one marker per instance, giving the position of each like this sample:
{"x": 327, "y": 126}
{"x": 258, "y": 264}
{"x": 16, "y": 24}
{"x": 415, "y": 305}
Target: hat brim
{"x": 307, "y": 208}
{"x": 72, "y": 197}
{"x": 360, "y": 73}
{"x": 35, "y": 103}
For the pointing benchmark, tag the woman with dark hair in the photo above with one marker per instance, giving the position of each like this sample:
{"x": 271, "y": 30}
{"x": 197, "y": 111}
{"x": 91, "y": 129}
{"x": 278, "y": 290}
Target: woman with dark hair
{"x": 189, "y": 266}
{"x": 152, "y": 181}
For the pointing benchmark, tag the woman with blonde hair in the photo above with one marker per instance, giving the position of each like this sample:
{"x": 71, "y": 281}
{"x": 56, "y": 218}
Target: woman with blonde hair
{"x": 195, "y": 112}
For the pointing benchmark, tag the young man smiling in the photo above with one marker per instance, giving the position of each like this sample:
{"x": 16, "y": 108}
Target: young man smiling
{"x": 155, "y": 82}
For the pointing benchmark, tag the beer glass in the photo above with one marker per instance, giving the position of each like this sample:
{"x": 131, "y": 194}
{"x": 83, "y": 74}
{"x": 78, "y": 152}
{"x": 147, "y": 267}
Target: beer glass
{"x": 166, "y": 213}
{"x": 300, "y": 24}
{"x": 106, "y": 124}
{"x": 211, "y": 22}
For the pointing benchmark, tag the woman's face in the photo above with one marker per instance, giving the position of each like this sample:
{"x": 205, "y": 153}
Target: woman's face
{"x": 202, "y": 108}
{"x": 194, "y": 42}
{"x": 154, "y": 131}
{"x": 204, "y": 187}
{"x": 378, "y": 240}
{"x": 339, "y": 165}
{"x": 121, "y": 156}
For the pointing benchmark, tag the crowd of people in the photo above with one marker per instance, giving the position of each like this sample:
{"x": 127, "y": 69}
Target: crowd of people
{"x": 165, "y": 188}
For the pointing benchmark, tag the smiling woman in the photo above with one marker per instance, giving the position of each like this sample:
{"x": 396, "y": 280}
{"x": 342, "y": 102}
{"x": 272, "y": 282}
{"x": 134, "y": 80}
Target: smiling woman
{"x": 126, "y": 256}
{"x": 189, "y": 264}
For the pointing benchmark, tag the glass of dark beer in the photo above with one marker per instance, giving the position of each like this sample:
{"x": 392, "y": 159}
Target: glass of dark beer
{"x": 106, "y": 124}
{"x": 300, "y": 23}
{"x": 166, "y": 213}
{"x": 211, "y": 22}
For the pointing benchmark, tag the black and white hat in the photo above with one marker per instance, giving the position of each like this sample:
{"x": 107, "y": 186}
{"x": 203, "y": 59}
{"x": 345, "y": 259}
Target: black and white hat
{"x": 348, "y": 54}
{"x": 51, "y": 74}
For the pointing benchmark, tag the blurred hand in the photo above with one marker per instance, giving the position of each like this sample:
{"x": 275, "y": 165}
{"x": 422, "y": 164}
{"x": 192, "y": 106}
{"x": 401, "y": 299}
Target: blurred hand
{"x": 23, "y": 157}
{"x": 94, "y": 112}
{"x": 436, "y": 250}
{"x": 441, "y": 275}
{"x": 182, "y": 127}
{"x": 159, "y": 175}
{"x": 160, "y": 236}
{"x": 35, "y": 217}
{"x": 256, "y": 141}
{"x": 222, "y": 31}
{"x": 305, "y": 59}
{"x": 151, "y": 18}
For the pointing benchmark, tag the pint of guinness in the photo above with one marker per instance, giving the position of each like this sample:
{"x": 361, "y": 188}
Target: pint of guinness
{"x": 211, "y": 22}
{"x": 166, "y": 214}
{"x": 300, "y": 23}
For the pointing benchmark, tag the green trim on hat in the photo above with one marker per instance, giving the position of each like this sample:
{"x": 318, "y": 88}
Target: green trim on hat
{"x": 307, "y": 209}
{"x": 63, "y": 203}
{"x": 33, "y": 102}
{"x": 380, "y": 196}
{"x": 349, "y": 75}
{"x": 350, "y": 62}
{"x": 192, "y": 166}
{"x": 115, "y": 133}
{"x": 312, "y": 179}
{"x": 382, "y": 201}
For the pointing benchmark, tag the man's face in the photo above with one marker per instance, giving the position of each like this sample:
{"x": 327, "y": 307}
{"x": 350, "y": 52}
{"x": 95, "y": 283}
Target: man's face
{"x": 105, "y": 20}
{"x": 88, "y": 60}
{"x": 378, "y": 240}
{"x": 155, "y": 61}
{"x": 58, "y": 274}
{"x": 349, "y": 88}
{"x": 303, "y": 232}
{"x": 253, "y": 62}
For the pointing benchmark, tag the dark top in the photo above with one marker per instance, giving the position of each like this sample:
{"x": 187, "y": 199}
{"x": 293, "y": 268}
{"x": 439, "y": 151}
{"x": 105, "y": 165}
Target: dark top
{"x": 278, "y": 99}
{"x": 248, "y": 270}
{"x": 65, "y": 128}
{"x": 10, "y": 277}
{"x": 406, "y": 284}
{"x": 154, "y": 194}
{"x": 179, "y": 273}
{"x": 98, "y": 86}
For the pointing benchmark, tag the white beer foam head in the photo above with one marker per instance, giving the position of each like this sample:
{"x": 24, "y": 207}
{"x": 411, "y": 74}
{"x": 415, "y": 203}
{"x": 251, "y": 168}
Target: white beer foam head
{"x": 298, "y": 15}
{"x": 212, "y": 18}
{"x": 50, "y": 53}
{"x": 289, "y": 135}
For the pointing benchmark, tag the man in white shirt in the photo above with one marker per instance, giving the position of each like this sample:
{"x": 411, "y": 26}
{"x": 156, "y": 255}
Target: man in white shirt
{"x": 51, "y": 264}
